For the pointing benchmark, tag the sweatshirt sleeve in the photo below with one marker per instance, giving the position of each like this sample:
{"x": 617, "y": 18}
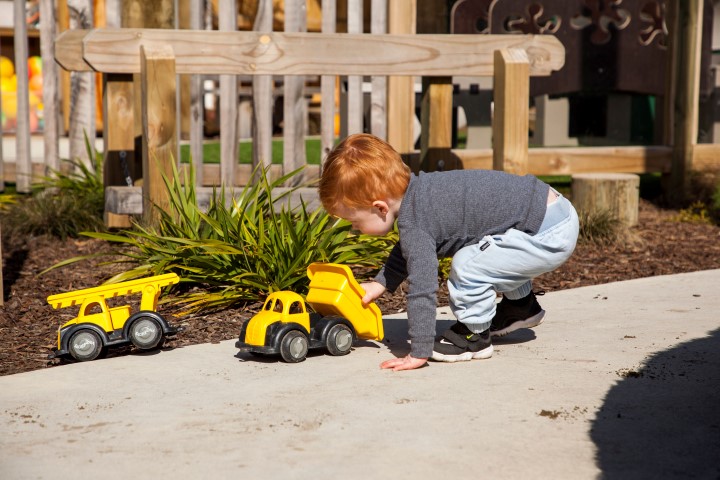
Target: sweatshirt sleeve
{"x": 422, "y": 268}
{"x": 394, "y": 272}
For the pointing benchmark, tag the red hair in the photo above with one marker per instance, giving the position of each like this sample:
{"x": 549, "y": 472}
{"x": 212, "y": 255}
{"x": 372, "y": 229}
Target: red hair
{"x": 359, "y": 170}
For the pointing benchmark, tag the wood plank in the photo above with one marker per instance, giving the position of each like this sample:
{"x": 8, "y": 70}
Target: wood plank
{"x": 50, "y": 85}
{"x": 263, "y": 99}
{"x": 542, "y": 161}
{"x": 159, "y": 140}
{"x": 294, "y": 103}
{"x": 510, "y": 119}
{"x": 197, "y": 121}
{"x": 83, "y": 118}
{"x": 22, "y": 126}
{"x": 63, "y": 19}
{"x": 378, "y": 96}
{"x": 256, "y": 53}
{"x": 436, "y": 121}
{"x": 69, "y": 50}
{"x": 354, "y": 113}
{"x": 568, "y": 161}
{"x": 120, "y": 164}
{"x": 328, "y": 85}
{"x": 229, "y": 146}
{"x": 128, "y": 200}
{"x": 686, "y": 45}
{"x": 401, "y": 89}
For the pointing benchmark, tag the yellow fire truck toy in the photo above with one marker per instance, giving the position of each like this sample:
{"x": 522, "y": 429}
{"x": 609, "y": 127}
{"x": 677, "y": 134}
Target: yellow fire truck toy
{"x": 98, "y": 326}
{"x": 285, "y": 326}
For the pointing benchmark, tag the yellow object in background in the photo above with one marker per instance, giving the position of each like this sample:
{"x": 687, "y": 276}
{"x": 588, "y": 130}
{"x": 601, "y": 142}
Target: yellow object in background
{"x": 7, "y": 67}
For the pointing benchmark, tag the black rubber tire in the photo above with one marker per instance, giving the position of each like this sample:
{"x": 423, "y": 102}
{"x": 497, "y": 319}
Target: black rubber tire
{"x": 294, "y": 346}
{"x": 339, "y": 340}
{"x": 85, "y": 345}
{"x": 146, "y": 333}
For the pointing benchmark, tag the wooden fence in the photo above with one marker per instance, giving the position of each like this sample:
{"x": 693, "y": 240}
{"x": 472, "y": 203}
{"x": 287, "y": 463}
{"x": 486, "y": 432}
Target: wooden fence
{"x": 119, "y": 54}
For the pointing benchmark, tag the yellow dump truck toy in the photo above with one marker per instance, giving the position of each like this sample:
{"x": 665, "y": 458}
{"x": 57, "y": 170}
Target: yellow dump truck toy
{"x": 285, "y": 325}
{"x": 98, "y": 326}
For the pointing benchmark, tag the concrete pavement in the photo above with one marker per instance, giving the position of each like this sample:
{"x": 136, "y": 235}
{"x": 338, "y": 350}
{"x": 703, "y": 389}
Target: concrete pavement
{"x": 621, "y": 381}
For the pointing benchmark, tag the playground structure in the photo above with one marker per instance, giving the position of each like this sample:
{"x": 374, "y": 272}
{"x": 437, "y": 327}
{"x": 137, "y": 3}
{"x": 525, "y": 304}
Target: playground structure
{"x": 99, "y": 326}
{"x": 128, "y": 119}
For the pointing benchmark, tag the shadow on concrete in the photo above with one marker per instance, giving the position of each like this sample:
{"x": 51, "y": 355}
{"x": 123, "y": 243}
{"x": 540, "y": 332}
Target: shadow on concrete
{"x": 662, "y": 420}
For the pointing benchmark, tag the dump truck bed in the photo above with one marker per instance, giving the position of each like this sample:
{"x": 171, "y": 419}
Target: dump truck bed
{"x": 335, "y": 292}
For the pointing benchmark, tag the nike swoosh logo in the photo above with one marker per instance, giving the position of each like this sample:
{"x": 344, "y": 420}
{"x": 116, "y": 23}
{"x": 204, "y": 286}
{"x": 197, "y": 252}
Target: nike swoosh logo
{"x": 445, "y": 342}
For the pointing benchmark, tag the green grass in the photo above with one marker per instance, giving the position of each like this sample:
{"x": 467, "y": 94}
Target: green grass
{"x": 211, "y": 152}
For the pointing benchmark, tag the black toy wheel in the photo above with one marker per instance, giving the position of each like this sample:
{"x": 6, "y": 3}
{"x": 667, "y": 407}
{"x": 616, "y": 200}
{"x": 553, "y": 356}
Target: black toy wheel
{"x": 146, "y": 333}
{"x": 294, "y": 346}
{"x": 339, "y": 339}
{"x": 85, "y": 345}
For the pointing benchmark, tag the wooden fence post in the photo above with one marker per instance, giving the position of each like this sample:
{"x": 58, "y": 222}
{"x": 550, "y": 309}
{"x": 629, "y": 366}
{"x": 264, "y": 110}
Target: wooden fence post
{"x": 227, "y": 21}
{"x": 436, "y": 121}
{"x": 685, "y": 18}
{"x": 50, "y": 84}
{"x": 294, "y": 105}
{"x": 159, "y": 139}
{"x": 378, "y": 97}
{"x": 118, "y": 138}
{"x": 197, "y": 121}
{"x": 23, "y": 157}
{"x": 327, "y": 88}
{"x": 263, "y": 99}
{"x": 401, "y": 92}
{"x": 355, "y": 96}
{"x": 510, "y": 118}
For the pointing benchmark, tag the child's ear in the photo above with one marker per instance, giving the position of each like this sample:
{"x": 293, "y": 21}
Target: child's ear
{"x": 382, "y": 206}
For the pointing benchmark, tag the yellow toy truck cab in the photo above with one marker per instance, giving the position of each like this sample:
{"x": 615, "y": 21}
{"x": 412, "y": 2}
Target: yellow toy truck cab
{"x": 98, "y": 326}
{"x": 285, "y": 326}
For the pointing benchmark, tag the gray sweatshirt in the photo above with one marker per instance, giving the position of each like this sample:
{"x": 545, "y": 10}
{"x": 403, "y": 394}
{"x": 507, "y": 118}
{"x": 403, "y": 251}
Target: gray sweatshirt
{"x": 443, "y": 212}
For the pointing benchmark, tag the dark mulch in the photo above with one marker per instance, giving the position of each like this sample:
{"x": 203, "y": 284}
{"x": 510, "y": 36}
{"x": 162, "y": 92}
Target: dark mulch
{"x": 28, "y": 325}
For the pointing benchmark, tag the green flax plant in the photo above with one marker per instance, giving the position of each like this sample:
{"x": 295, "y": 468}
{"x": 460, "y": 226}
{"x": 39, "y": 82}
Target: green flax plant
{"x": 239, "y": 250}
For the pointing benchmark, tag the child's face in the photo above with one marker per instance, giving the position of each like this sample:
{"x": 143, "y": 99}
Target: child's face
{"x": 375, "y": 220}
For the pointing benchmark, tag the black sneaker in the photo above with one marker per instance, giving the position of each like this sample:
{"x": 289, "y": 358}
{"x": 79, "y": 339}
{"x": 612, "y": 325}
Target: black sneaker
{"x": 459, "y": 344}
{"x": 512, "y": 315}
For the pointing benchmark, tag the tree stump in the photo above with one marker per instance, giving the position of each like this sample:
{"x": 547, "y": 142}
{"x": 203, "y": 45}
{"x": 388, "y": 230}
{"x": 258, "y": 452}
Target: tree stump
{"x": 618, "y": 193}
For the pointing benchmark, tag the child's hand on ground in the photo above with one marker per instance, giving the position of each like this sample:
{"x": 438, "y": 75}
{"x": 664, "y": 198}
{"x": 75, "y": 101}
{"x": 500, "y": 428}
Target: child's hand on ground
{"x": 404, "y": 363}
{"x": 373, "y": 290}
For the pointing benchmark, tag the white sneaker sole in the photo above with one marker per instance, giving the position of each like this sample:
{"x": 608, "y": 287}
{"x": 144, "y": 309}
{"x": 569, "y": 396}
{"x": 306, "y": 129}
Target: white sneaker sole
{"x": 531, "y": 322}
{"x": 464, "y": 357}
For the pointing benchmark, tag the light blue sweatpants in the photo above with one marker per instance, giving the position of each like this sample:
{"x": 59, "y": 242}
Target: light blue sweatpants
{"x": 507, "y": 263}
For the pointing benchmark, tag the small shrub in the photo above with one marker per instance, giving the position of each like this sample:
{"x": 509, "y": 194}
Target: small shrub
{"x": 696, "y": 213}
{"x": 599, "y": 227}
{"x": 239, "y": 252}
{"x": 7, "y": 200}
{"x": 63, "y": 205}
{"x": 48, "y": 213}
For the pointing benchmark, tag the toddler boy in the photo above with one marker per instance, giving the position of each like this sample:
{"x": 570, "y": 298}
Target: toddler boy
{"x": 501, "y": 231}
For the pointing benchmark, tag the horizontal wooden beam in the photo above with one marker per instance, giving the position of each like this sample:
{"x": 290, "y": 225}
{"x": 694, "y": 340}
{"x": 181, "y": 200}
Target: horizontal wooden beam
{"x": 567, "y": 161}
{"x": 113, "y": 50}
{"x": 128, "y": 200}
{"x": 542, "y": 161}
{"x": 69, "y": 51}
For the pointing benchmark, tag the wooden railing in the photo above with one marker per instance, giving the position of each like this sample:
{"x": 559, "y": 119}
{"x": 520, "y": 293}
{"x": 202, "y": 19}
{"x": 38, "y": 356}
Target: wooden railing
{"x": 158, "y": 55}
